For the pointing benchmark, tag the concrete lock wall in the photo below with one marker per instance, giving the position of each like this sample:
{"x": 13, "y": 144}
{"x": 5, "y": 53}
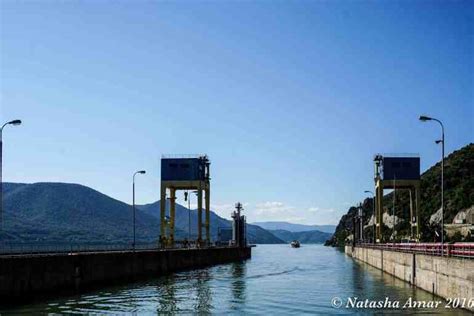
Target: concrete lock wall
{"x": 22, "y": 277}
{"x": 446, "y": 277}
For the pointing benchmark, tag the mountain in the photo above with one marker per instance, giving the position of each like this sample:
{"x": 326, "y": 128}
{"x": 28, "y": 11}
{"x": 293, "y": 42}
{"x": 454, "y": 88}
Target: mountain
{"x": 458, "y": 194}
{"x": 295, "y": 227}
{"x": 305, "y": 237}
{"x": 60, "y": 212}
{"x": 63, "y": 212}
{"x": 255, "y": 234}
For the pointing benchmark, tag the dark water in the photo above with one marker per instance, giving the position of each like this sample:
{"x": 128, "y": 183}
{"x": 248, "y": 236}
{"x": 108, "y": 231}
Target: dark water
{"x": 277, "y": 280}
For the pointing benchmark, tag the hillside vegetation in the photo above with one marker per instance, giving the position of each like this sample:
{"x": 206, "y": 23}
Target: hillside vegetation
{"x": 459, "y": 196}
{"x": 305, "y": 237}
{"x": 277, "y": 225}
{"x": 73, "y": 213}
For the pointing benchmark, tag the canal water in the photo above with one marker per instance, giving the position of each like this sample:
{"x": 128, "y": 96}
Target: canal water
{"x": 277, "y": 280}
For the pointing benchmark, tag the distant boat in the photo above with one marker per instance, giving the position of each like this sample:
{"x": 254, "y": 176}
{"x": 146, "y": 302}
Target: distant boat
{"x": 295, "y": 244}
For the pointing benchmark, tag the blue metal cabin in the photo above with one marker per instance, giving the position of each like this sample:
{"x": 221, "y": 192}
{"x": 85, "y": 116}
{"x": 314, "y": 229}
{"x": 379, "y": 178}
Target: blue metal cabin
{"x": 183, "y": 169}
{"x": 401, "y": 168}
{"x": 184, "y": 173}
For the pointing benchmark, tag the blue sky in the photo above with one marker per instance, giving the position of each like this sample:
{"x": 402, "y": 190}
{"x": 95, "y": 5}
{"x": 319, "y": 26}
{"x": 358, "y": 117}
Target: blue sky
{"x": 290, "y": 99}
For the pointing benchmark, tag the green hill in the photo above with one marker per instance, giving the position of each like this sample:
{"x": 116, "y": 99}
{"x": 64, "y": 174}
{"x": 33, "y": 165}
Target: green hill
{"x": 459, "y": 196}
{"x": 255, "y": 234}
{"x": 280, "y": 225}
{"x": 61, "y": 212}
{"x": 66, "y": 213}
{"x": 305, "y": 237}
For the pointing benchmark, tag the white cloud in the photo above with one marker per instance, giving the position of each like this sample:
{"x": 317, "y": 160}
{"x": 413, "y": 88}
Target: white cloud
{"x": 278, "y": 211}
{"x": 266, "y": 208}
{"x": 321, "y": 210}
{"x": 225, "y": 209}
{"x": 295, "y": 219}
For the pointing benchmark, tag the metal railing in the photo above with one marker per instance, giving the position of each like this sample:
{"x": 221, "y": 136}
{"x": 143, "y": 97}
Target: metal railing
{"x": 463, "y": 250}
{"x": 399, "y": 155}
{"x": 35, "y": 248}
{"x": 61, "y": 248}
{"x": 176, "y": 156}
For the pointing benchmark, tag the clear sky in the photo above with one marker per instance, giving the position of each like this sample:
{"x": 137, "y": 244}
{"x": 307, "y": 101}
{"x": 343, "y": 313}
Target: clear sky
{"x": 290, "y": 99}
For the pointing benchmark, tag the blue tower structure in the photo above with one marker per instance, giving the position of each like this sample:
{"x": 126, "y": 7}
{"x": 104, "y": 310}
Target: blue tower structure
{"x": 397, "y": 172}
{"x": 184, "y": 173}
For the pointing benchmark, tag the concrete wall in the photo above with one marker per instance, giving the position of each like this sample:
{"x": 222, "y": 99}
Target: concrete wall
{"x": 447, "y": 277}
{"x": 22, "y": 277}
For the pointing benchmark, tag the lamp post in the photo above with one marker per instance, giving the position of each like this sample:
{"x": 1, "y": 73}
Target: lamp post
{"x": 137, "y": 172}
{"x": 425, "y": 119}
{"x": 373, "y": 206}
{"x": 361, "y": 223}
{"x": 188, "y": 198}
{"x": 197, "y": 195}
{"x": 14, "y": 123}
{"x": 394, "y": 201}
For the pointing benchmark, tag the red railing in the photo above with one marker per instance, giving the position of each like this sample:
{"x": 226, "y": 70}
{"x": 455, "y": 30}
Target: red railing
{"x": 464, "y": 250}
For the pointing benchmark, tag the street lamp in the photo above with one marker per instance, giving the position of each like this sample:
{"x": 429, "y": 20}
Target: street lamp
{"x": 373, "y": 204}
{"x": 441, "y": 141}
{"x": 360, "y": 211}
{"x": 188, "y": 199}
{"x": 197, "y": 195}
{"x": 14, "y": 123}
{"x": 138, "y": 172}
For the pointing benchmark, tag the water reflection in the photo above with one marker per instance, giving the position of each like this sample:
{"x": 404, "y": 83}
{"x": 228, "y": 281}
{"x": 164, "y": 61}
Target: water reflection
{"x": 203, "y": 291}
{"x": 238, "y": 284}
{"x": 277, "y": 280}
{"x": 166, "y": 294}
{"x": 379, "y": 285}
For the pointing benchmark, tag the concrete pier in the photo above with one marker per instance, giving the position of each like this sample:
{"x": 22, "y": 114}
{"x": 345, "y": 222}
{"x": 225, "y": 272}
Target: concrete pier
{"x": 446, "y": 277}
{"x": 24, "y": 276}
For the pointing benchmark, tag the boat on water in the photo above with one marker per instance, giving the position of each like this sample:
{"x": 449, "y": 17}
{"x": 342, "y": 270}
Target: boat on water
{"x": 295, "y": 244}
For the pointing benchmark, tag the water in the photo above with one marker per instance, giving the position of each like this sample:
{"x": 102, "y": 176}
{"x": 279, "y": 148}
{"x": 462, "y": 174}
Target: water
{"x": 277, "y": 280}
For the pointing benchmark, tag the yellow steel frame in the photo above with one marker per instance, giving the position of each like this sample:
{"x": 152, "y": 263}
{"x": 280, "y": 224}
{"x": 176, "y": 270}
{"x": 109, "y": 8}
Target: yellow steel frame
{"x": 414, "y": 188}
{"x": 167, "y": 236}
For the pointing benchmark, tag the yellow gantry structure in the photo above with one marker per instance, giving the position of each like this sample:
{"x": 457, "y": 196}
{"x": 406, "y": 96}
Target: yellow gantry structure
{"x": 190, "y": 174}
{"x": 407, "y": 169}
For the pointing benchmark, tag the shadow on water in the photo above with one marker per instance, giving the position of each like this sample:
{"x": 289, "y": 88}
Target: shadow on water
{"x": 258, "y": 276}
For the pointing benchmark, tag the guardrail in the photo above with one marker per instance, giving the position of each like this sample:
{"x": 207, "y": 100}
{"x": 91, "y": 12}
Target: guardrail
{"x": 463, "y": 250}
{"x": 53, "y": 248}
{"x": 176, "y": 156}
{"x": 34, "y": 248}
